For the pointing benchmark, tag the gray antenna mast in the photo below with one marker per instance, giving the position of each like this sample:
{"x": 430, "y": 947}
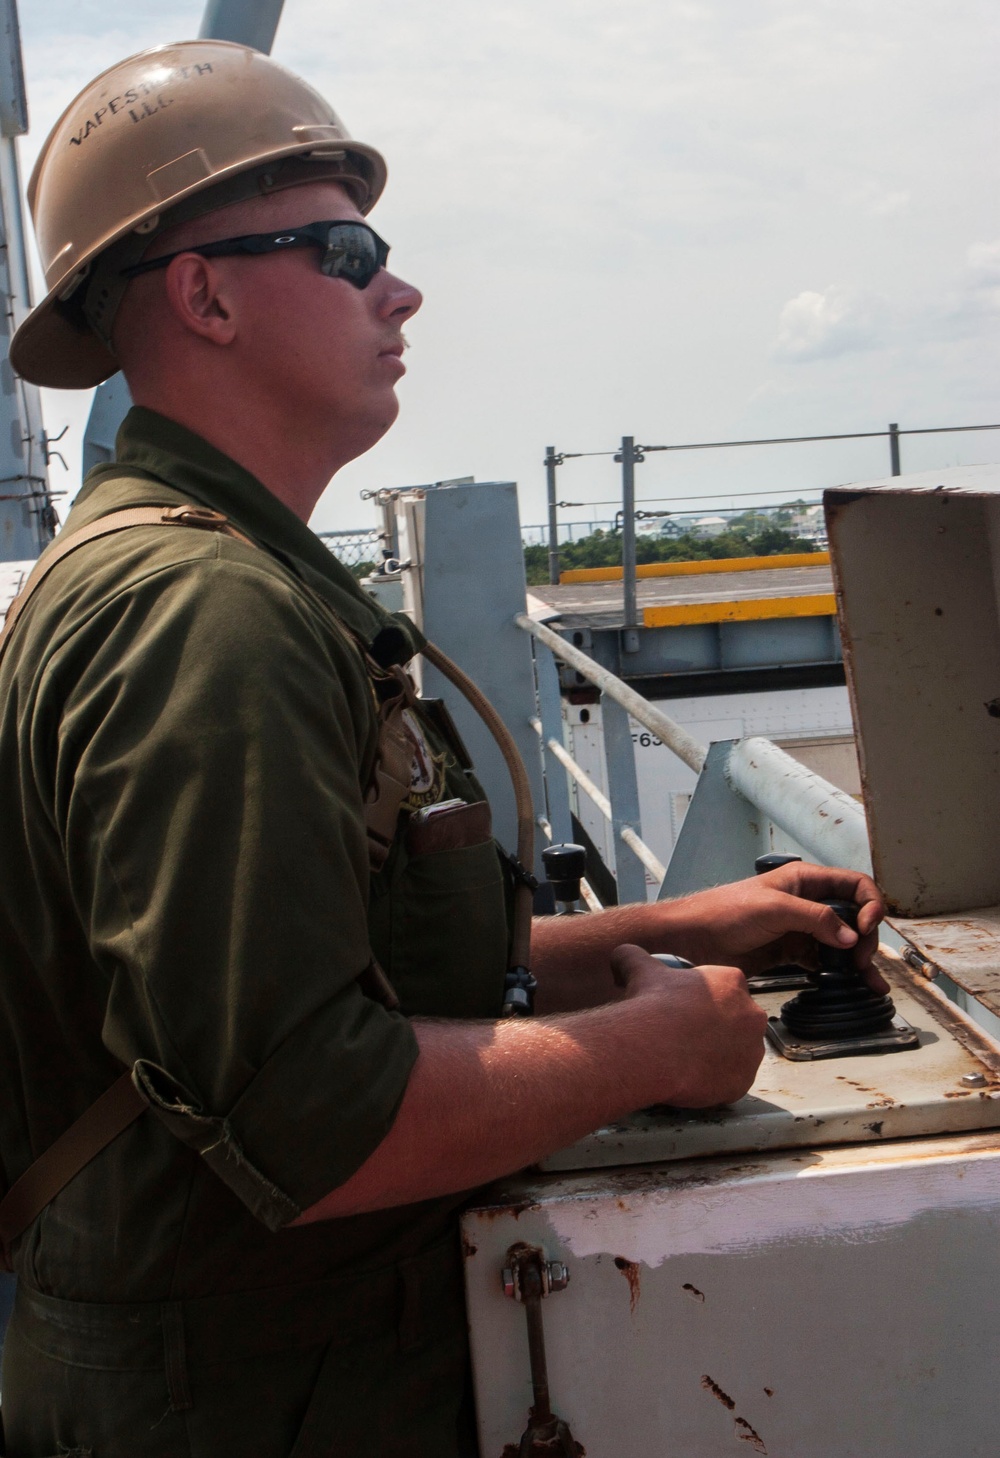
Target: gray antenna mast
{"x": 27, "y": 519}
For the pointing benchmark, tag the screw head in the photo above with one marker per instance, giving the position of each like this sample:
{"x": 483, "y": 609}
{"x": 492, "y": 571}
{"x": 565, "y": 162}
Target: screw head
{"x": 974, "y": 1080}
{"x": 558, "y": 1276}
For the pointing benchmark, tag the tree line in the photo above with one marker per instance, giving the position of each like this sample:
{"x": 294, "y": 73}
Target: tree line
{"x": 749, "y": 535}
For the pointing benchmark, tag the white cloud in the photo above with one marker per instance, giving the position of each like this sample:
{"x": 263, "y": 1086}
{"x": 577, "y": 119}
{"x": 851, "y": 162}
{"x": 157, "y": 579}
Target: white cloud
{"x": 607, "y": 210}
{"x": 983, "y": 261}
{"x": 823, "y": 325}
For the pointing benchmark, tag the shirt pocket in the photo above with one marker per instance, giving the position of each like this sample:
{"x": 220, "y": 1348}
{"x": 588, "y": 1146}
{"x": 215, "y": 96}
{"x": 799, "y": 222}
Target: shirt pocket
{"x": 447, "y": 933}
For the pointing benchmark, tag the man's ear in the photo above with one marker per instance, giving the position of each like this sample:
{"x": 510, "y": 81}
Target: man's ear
{"x": 199, "y": 300}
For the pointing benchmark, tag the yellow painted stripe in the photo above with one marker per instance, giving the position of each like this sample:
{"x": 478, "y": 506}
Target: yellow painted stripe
{"x": 694, "y": 569}
{"x": 745, "y": 610}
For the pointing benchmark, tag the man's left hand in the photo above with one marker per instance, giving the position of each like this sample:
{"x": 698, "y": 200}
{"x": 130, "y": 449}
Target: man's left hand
{"x": 771, "y": 919}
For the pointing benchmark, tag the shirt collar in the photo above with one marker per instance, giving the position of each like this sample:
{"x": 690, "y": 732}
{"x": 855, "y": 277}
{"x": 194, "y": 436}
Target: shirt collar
{"x": 159, "y": 447}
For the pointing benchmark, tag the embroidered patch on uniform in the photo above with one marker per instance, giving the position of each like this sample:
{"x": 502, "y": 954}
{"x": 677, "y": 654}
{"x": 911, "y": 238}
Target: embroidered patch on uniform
{"x": 427, "y": 774}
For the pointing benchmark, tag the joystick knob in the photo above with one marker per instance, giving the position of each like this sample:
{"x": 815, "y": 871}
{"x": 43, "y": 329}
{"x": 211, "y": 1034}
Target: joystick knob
{"x": 565, "y": 866}
{"x": 839, "y": 1003}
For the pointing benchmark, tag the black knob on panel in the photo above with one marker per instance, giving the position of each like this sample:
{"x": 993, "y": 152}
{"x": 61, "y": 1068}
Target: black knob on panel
{"x": 771, "y": 862}
{"x": 565, "y": 867}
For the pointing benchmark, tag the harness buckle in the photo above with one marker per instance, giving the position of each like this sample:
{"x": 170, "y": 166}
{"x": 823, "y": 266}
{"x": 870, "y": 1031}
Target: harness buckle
{"x": 196, "y": 516}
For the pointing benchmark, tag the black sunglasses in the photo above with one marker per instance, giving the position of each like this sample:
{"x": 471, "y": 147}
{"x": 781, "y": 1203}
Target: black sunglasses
{"x": 351, "y": 251}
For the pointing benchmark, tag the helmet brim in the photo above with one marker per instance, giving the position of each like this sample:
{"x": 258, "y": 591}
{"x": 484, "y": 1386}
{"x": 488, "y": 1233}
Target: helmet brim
{"x": 51, "y": 349}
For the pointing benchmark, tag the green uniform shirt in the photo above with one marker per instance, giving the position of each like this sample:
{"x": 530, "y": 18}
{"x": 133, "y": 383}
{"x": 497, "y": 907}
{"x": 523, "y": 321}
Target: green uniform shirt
{"x": 186, "y": 732}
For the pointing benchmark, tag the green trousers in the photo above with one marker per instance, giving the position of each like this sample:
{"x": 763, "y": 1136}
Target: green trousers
{"x": 369, "y": 1366}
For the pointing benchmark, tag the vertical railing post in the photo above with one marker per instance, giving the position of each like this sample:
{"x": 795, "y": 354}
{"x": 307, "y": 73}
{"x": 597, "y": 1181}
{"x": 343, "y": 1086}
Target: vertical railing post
{"x": 551, "y": 462}
{"x": 557, "y": 780}
{"x": 627, "y": 458}
{"x": 623, "y": 792}
{"x": 894, "y": 448}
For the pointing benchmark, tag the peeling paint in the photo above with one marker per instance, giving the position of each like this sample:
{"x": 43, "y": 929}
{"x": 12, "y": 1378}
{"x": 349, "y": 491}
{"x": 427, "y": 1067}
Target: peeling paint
{"x": 630, "y": 1270}
{"x": 710, "y": 1385}
{"x": 693, "y": 1291}
{"x": 749, "y": 1435}
{"x": 744, "y": 1210}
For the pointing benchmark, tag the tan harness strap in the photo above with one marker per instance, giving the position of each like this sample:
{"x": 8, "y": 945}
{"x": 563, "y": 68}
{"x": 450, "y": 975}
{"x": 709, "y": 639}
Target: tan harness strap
{"x": 106, "y": 1118}
{"x": 115, "y": 521}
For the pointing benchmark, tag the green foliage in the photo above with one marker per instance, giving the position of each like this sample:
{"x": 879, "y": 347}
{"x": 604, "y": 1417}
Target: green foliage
{"x": 749, "y": 535}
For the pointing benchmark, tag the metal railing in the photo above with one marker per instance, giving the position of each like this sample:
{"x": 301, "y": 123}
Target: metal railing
{"x": 628, "y": 455}
{"x": 823, "y": 820}
{"x": 355, "y": 546}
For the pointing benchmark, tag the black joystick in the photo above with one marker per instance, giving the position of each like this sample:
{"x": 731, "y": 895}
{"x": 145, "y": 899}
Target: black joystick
{"x": 787, "y": 977}
{"x": 839, "y": 1003}
{"x": 565, "y": 867}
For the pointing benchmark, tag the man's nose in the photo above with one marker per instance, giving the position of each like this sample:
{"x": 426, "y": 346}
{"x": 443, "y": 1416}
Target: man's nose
{"x": 400, "y": 299}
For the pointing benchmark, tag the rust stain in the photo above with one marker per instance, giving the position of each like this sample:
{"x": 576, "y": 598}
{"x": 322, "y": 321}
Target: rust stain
{"x": 693, "y": 1291}
{"x": 468, "y": 1249}
{"x": 500, "y": 1212}
{"x": 750, "y": 1435}
{"x": 958, "y": 1093}
{"x": 710, "y": 1385}
{"x": 630, "y": 1270}
{"x": 884, "y": 1102}
{"x": 769, "y": 1391}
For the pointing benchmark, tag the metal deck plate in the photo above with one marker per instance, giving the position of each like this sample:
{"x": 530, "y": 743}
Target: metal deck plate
{"x": 836, "y": 1101}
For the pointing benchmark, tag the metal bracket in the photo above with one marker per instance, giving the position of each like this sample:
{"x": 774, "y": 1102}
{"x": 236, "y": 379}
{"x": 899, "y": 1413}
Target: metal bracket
{"x": 899, "y": 1036}
{"x": 528, "y": 1278}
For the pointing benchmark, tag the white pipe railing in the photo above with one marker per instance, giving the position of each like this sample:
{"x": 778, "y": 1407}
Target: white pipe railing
{"x": 635, "y": 843}
{"x": 571, "y": 767}
{"x": 672, "y": 734}
{"x": 825, "y": 821}
{"x": 655, "y": 867}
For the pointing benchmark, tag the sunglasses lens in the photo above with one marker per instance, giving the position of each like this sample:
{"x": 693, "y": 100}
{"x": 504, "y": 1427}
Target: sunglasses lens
{"x": 354, "y": 253}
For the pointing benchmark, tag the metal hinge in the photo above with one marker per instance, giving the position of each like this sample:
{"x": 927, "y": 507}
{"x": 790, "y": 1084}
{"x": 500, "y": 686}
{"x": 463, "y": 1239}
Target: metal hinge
{"x": 528, "y": 1278}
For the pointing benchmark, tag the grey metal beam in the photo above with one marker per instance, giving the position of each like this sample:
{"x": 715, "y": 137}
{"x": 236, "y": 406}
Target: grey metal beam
{"x": 13, "y": 98}
{"x": 26, "y": 519}
{"x": 721, "y": 836}
{"x": 550, "y": 714}
{"x": 623, "y": 792}
{"x": 714, "y": 647}
{"x": 472, "y": 586}
{"x": 249, "y": 22}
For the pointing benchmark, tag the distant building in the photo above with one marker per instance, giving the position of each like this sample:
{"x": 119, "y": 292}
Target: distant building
{"x": 709, "y": 526}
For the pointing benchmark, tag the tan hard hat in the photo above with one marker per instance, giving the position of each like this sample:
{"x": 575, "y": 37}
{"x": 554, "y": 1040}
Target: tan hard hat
{"x": 158, "y": 139}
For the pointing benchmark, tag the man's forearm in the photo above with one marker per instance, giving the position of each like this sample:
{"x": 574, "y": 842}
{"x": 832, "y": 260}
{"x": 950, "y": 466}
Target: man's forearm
{"x": 571, "y": 955}
{"x": 485, "y": 1099}
{"x": 750, "y": 924}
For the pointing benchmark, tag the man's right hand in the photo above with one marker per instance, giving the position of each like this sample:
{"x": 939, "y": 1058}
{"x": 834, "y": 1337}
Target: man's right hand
{"x": 702, "y": 1033}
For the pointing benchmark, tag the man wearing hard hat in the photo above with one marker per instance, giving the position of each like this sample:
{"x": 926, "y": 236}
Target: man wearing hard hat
{"x": 256, "y": 982}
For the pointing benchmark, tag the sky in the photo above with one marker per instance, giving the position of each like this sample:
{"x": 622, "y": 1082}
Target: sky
{"x": 675, "y": 220}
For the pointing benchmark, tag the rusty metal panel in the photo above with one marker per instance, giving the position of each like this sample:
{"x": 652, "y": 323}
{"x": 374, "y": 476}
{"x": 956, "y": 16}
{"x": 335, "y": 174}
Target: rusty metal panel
{"x": 914, "y": 572}
{"x": 834, "y": 1303}
{"x": 967, "y": 948}
{"x": 950, "y": 1083}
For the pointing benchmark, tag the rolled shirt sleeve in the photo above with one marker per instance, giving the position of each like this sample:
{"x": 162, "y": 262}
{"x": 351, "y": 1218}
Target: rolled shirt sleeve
{"x": 213, "y": 729}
